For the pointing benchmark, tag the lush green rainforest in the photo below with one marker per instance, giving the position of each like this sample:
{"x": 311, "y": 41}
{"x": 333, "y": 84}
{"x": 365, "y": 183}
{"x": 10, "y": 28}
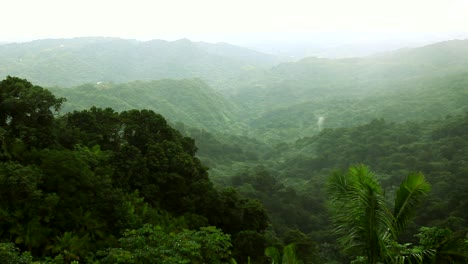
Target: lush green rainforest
{"x": 359, "y": 160}
{"x": 98, "y": 186}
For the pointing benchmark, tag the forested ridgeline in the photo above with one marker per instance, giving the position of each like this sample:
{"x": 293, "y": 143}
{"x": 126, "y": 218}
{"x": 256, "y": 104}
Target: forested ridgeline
{"x": 189, "y": 101}
{"x": 71, "y": 62}
{"x": 269, "y": 114}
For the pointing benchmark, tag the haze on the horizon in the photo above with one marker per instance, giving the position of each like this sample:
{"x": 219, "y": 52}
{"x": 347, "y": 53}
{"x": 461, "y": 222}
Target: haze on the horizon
{"x": 242, "y": 22}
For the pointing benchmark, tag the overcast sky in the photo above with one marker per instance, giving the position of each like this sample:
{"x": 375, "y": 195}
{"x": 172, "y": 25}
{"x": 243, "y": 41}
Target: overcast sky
{"x": 227, "y": 20}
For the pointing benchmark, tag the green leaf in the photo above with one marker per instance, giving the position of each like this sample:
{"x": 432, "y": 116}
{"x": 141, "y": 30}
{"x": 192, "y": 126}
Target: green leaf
{"x": 410, "y": 194}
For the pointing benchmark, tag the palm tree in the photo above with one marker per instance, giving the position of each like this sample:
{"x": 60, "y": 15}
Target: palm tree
{"x": 365, "y": 223}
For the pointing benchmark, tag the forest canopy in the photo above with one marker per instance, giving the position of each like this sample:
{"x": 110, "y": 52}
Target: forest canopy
{"x": 85, "y": 185}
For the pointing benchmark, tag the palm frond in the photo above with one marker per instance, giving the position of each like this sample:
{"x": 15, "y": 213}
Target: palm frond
{"x": 410, "y": 194}
{"x": 338, "y": 186}
{"x": 454, "y": 248}
{"x": 415, "y": 257}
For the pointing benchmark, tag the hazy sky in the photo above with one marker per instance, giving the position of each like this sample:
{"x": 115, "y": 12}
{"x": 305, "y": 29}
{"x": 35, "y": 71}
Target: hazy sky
{"x": 226, "y": 20}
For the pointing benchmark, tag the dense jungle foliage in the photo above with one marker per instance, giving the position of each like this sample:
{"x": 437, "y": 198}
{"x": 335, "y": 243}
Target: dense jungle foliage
{"x": 359, "y": 160}
{"x": 97, "y": 185}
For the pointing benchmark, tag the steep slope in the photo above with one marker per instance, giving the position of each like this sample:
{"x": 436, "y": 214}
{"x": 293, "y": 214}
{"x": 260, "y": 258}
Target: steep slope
{"x": 69, "y": 62}
{"x": 190, "y": 101}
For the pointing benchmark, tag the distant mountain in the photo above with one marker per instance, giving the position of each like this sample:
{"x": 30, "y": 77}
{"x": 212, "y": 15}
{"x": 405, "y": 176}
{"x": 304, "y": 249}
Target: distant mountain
{"x": 447, "y": 56}
{"x": 408, "y": 84}
{"x": 70, "y": 62}
{"x": 348, "y": 45}
{"x": 190, "y": 101}
{"x": 436, "y": 60}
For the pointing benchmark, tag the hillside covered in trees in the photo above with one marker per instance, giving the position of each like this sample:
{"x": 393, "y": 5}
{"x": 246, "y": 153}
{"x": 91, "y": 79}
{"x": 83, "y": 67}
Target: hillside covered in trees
{"x": 284, "y": 102}
{"x": 70, "y": 62}
{"x": 360, "y": 160}
{"x": 86, "y": 185}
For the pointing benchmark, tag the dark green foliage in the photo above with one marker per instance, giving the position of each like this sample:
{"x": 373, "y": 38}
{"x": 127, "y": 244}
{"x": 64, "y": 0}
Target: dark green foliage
{"x": 9, "y": 255}
{"x": 27, "y": 113}
{"x": 91, "y": 127}
{"x": 448, "y": 247}
{"x": 392, "y": 149}
{"x": 150, "y": 244}
{"x": 434, "y": 147}
{"x": 72, "y": 191}
{"x": 288, "y": 209}
{"x": 25, "y": 209}
{"x": 147, "y": 155}
{"x": 249, "y": 245}
{"x": 304, "y": 248}
{"x": 221, "y": 151}
{"x": 248, "y": 214}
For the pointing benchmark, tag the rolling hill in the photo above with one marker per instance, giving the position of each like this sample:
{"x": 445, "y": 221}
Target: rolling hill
{"x": 240, "y": 93}
{"x": 190, "y": 101}
{"x": 409, "y": 84}
{"x": 71, "y": 62}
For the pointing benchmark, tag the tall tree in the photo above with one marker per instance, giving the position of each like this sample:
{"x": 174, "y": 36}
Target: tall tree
{"x": 27, "y": 112}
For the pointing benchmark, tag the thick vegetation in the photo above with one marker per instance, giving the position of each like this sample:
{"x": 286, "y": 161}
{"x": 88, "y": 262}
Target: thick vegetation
{"x": 283, "y": 103}
{"x": 190, "y": 101}
{"x": 284, "y": 148}
{"x": 71, "y": 186}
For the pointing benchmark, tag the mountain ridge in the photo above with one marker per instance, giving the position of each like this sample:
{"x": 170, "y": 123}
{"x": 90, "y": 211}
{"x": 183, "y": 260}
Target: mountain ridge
{"x": 190, "y": 101}
{"x": 71, "y": 62}
{"x": 283, "y": 102}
